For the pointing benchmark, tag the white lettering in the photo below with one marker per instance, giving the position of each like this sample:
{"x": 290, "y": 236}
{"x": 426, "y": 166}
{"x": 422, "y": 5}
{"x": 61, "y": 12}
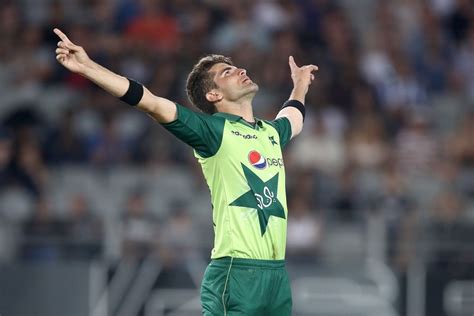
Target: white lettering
{"x": 269, "y": 195}
{"x": 244, "y": 136}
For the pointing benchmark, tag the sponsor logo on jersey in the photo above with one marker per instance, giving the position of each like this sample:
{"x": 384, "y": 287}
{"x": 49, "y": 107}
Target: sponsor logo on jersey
{"x": 260, "y": 162}
{"x": 277, "y": 162}
{"x": 244, "y": 136}
{"x": 257, "y": 160}
{"x": 272, "y": 140}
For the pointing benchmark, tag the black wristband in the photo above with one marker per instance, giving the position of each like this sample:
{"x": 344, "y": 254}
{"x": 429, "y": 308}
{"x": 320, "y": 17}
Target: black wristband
{"x": 296, "y": 104}
{"x": 134, "y": 93}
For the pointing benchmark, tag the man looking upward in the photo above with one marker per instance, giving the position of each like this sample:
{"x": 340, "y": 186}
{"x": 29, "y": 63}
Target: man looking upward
{"x": 241, "y": 158}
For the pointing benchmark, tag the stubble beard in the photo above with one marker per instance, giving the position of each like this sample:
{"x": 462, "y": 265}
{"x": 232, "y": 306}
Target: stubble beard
{"x": 251, "y": 91}
{"x": 246, "y": 93}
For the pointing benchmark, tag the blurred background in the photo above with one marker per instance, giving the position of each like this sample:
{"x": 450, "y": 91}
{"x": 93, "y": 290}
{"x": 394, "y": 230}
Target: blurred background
{"x": 103, "y": 212}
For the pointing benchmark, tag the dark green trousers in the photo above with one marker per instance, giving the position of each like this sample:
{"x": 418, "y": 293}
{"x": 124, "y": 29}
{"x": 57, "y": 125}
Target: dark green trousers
{"x": 234, "y": 286}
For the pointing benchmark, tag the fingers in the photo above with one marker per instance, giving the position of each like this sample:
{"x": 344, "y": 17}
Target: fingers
{"x": 69, "y": 46}
{"x": 62, "y": 36}
{"x": 294, "y": 67}
{"x": 62, "y": 51}
{"x": 311, "y": 67}
{"x": 61, "y": 58}
{"x": 301, "y": 73}
{"x": 292, "y": 63}
{"x": 65, "y": 41}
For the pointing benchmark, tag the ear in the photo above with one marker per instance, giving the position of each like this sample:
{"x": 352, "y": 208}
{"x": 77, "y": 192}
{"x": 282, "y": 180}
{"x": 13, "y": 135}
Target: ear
{"x": 214, "y": 96}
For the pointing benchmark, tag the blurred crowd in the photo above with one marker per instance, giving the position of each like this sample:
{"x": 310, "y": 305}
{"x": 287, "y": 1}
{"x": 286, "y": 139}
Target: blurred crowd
{"x": 389, "y": 129}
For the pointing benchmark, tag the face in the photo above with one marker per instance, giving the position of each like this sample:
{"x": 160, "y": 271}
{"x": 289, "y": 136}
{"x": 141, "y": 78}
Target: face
{"x": 232, "y": 83}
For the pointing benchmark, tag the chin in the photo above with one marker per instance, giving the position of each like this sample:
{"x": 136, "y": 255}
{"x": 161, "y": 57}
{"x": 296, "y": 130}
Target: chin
{"x": 252, "y": 90}
{"x": 248, "y": 91}
{"x": 255, "y": 87}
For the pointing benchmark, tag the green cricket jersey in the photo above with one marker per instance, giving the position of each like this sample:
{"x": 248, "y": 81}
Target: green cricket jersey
{"x": 245, "y": 172}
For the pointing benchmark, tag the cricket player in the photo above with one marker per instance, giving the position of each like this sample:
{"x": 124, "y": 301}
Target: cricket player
{"x": 241, "y": 159}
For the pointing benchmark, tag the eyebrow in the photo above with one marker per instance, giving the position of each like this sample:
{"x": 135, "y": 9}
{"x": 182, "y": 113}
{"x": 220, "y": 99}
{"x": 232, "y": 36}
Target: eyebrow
{"x": 223, "y": 70}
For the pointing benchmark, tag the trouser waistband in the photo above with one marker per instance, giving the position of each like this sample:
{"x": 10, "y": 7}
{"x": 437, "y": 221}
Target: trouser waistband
{"x": 243, "y": 262}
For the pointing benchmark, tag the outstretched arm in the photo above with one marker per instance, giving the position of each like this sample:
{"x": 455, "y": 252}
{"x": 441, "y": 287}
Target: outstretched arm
{"x": 75, "y": 59}
{"x": 302, "y": 78}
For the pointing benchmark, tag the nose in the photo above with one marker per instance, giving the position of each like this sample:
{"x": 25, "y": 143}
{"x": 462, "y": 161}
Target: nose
{"x": 242, "y": 72}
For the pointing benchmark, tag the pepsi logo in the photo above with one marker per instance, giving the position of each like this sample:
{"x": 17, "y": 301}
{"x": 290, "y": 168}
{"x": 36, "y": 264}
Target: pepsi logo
{"x": 257, "y": 160}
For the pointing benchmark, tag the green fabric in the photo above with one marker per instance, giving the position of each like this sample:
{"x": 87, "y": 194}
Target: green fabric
{"x": 246, "y": 287}
{"x": 248, "y": 194}
{"x": 284, "y": 130}
{"x": 200, "y": 131}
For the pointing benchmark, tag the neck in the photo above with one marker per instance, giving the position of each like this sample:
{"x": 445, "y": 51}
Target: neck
{"x": 243, "y": 109}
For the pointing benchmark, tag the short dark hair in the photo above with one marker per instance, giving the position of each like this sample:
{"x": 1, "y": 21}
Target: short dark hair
{"x": 200, "y": 81}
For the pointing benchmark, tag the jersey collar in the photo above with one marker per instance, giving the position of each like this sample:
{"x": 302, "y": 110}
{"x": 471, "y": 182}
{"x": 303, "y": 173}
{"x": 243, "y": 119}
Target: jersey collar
{"x": 236, "y": 118}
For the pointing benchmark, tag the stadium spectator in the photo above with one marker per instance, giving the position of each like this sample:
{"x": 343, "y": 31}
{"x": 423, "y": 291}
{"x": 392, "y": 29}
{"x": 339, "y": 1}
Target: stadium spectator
{"x": 305, "y": 231}
{"x": 140, "y": 229}
{"x": 42, "y": 235}
{"x": 84, "y": 232}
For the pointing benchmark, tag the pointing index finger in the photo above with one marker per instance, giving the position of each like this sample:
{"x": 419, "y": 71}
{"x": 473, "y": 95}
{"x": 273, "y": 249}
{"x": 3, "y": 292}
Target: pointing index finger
{"x": 292, "y": 63}
{"x": 62, "y": 36}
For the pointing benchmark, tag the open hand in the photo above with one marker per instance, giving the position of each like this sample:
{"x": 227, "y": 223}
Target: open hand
{"x": 301, "y": 76}
{"x": 71, "y": 56}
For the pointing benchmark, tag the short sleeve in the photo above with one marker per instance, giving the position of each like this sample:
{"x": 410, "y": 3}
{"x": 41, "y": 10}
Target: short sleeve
{"x": 201, "y": 131}
{"x": 283, "y": 127}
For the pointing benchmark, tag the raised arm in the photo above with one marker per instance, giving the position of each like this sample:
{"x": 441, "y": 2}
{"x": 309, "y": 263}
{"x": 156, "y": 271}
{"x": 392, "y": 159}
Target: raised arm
{"x": 75, "y": 59}
{"x": 302, "y": 78}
